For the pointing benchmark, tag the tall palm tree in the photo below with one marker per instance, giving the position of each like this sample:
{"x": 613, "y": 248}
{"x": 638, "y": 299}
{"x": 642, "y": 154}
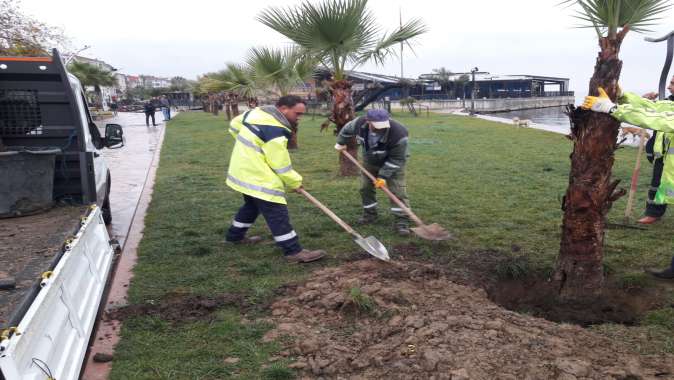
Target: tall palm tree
{"x": 279, "y": 71}
{"x": 92, "y": 75}
{"x": 591, "y": 190}
{"x": 339, "y": 33}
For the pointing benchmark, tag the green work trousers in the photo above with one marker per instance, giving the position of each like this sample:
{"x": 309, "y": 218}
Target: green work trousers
{"x": 395, "y": 183}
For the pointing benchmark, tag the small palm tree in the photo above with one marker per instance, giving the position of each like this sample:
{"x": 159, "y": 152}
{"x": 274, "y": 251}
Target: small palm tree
{"x": 461, "y": 82}
{"x": 92, "y": 75}
{"x": 339, "y": 34}
{"x": 443, "y": 76}
{"x": 279, "y": 71}
{"x": 591, "y": 190}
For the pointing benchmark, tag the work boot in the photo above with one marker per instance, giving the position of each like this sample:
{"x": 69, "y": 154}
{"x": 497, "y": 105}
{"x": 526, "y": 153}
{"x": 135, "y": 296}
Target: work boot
{"x": 369, "y": 217}
{"x": 305, "y": 256}
{"x": 648, "y": 220}
{"x": 247, "y": 240}
{"x": 667, "y": 274}
{"x": 402, "y": 228}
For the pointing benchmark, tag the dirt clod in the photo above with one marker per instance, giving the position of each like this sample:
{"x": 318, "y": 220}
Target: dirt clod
{"x": 101, "y": 357}
{"x": 427, "y": 326}
{"x": 178, "y": 308}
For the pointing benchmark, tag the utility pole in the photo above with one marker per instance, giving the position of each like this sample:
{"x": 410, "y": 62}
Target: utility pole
{"x": 472, "y": 93}
{"x": 400, "y": 13}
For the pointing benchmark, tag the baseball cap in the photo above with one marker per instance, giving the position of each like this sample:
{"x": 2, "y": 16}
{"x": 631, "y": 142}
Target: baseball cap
{"x": 379, "y": 118}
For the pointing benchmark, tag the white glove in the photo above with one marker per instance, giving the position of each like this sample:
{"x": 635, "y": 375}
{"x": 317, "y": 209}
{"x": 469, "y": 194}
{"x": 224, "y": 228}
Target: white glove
{"x": 340, "y": 146}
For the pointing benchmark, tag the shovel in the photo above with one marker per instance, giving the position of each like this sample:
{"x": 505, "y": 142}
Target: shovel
{"x": 635, "y": 179}
{"x": 425, "y": 231}
{"x": 370, "y": 244}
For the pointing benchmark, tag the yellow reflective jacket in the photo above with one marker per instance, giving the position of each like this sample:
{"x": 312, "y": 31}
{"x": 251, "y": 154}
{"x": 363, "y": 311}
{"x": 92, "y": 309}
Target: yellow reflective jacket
{"x": 659, "y": 116}
{"x": 260, "y": 163}
{"x": 655, "y": 115}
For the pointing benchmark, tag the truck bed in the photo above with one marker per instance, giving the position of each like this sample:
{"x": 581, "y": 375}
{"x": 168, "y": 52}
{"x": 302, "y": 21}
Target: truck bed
{"x": 28, "y": 247}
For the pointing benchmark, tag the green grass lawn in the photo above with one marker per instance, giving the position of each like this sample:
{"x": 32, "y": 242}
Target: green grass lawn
{"x": 494, "y": 186}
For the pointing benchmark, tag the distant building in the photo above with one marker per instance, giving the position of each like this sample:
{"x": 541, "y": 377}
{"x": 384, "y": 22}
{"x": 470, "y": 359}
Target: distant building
{"x": 120, "y": 86}
{"x": 133, "y": 81}
{"x": 107, "y": 92}
{"x": 370, "y": 87}
{"x": 149, "y": 81}
{"x": 490, "y": 86}
{"x": 96, "y": 62}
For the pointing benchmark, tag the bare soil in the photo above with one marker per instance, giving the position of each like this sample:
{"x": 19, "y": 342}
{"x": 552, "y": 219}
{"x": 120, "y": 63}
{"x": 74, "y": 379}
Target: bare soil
{"x": 407, "y": 320}
{"x": 177, "y": 308}
{"x": 28, "y": 245}
{"x": 540, "y": 298}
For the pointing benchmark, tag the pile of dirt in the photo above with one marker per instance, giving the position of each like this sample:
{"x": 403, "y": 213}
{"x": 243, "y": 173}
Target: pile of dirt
{"x": 368, "y": 319}
{"x": 29, "y": 245}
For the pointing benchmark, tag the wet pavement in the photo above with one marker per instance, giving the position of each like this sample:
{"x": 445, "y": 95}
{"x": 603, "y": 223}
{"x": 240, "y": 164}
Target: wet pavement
{"x": 129, "y": 167}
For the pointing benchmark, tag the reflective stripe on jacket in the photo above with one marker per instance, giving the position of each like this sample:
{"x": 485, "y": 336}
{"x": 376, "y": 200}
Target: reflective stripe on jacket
{"x": 260, "y": 164}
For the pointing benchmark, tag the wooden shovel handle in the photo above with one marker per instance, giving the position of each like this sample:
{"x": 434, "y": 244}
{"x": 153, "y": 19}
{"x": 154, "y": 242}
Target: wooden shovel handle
{"x": 388, "y": 192}
{"x": 635, "y": 177}
{"x": 328, "y": 212}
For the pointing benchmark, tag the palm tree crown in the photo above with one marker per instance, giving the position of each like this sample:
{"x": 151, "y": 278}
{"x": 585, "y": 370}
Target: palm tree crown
{"x": 339, "y": 32}
{"x": 606, "y": 16}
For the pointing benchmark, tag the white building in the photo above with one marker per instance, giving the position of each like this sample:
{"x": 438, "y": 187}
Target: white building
{"x": 107, "y": 92}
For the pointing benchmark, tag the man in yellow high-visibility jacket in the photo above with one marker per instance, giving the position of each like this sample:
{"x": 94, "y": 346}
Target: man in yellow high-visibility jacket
{"x": 261, "y": 170}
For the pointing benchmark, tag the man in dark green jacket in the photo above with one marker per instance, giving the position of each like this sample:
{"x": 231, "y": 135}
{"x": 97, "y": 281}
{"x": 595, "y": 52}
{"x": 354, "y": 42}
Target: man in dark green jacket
{"x": 385, "y": 154}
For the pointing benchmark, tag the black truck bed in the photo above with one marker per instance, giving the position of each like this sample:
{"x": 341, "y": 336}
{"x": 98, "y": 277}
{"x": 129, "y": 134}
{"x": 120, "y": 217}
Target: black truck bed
{"x": 29, "y": 246}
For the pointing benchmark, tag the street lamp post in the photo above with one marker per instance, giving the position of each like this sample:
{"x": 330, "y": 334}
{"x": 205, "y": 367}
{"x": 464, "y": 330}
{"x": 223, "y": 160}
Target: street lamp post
{"x": 472, "y": 94}
{"x": 76, "y": 53}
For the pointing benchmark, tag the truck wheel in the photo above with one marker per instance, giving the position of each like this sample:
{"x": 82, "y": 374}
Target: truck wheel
{"x": 105, "y": 209}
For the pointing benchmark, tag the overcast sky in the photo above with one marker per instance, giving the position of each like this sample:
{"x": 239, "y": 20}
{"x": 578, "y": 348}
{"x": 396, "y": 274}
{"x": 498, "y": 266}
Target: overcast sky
{"x": 189, "y": 38}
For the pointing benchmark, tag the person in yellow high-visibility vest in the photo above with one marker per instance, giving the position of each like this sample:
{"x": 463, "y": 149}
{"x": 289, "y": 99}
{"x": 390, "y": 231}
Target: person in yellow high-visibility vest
{"x": 644, "y": 113}
{"x": 261, "y": 170}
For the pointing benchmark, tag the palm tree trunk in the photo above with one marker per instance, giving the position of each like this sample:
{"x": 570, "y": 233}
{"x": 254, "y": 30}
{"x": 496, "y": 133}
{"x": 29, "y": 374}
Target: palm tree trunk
{"x": 591, "y": 192}
{"x": 235, "y": 106}
{"x": 228, "y": 110}
{"x": 99, "y": 96}
{"x": 342, "y": 113}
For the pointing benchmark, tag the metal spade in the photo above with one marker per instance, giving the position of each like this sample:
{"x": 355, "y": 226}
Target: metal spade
{"x": 370, "y": 244}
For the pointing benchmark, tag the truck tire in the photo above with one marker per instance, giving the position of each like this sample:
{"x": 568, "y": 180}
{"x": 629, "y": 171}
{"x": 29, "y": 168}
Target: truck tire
{"x": 105, "y": 209}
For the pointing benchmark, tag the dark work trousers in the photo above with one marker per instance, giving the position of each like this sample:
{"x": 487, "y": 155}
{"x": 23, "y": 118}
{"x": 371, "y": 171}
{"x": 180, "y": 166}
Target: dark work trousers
{"x": 147, "y": 119}
{"x": 277, "y": 218}
{"x": 653, "y": 209}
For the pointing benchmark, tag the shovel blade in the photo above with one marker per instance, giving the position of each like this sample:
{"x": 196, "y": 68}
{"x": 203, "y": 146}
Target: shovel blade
{"x": 432, "y": 231}
{"x": 374, "y": 247}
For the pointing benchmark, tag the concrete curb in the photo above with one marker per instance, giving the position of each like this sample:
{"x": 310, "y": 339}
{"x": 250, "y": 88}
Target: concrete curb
{"x": 107, "y": 335}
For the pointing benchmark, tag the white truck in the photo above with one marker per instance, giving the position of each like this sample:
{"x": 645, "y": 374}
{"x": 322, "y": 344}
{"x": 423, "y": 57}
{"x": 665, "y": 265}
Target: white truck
{"x": 55, "y": 251}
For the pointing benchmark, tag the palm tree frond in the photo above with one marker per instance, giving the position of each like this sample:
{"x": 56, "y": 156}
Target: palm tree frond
{"x": 606, "y": 16}
{"x": 337, "y": 32}
{"x": 384, "y": 47}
